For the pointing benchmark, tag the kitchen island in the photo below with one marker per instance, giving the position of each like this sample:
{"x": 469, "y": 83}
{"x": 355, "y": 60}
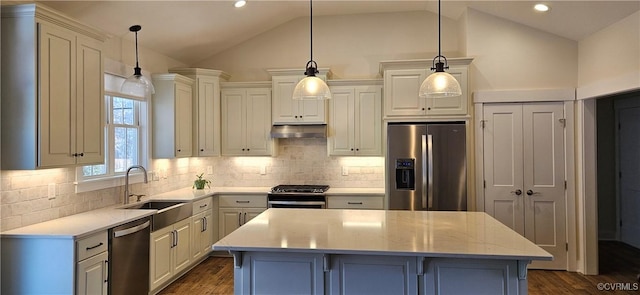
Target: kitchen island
{"x": 307, "y": 251}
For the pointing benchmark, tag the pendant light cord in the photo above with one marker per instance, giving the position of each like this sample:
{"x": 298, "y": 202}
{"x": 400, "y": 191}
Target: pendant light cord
{"x": 137, "y": 49}
{"x": 311, "y": 26}
{"x": 439, "y": 35}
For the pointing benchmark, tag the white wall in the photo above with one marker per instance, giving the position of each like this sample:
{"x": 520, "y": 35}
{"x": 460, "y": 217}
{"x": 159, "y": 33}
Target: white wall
{"x": 350, "y": 45}
{"x": 609, "y": 60}
{"x": 509, "y": 55}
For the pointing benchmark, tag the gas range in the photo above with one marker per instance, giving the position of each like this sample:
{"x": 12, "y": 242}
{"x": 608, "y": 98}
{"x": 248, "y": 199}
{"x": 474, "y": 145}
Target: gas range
{"x": 299, "y": 189}
{"x": 297, "y": 196}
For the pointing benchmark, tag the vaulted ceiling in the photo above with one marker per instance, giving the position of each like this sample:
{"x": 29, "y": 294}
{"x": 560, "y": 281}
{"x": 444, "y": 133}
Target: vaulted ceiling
{"x": 190, "y": 31}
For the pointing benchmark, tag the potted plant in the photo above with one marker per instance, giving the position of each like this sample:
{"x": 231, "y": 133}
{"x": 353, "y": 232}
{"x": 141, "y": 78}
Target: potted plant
{"x": 200, "y": 182}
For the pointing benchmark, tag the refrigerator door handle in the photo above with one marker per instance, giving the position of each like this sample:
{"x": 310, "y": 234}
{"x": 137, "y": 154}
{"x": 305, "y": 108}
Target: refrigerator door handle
{"x": 430, "y": 171}
{"x": 424, "y": 171}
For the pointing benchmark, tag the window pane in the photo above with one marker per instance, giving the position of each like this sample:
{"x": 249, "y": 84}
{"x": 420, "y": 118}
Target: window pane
{"x": 123, "y": 111}
{"x": 94, "y": 170}
{"x": 126, "y": 148}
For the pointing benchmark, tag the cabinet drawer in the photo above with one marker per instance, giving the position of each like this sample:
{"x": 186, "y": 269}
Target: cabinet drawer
{"x": 92, "y": 245}
{"x": 242, "y": 201}
{"x": 201, "y": 205}
{"x": 355, "y": 202}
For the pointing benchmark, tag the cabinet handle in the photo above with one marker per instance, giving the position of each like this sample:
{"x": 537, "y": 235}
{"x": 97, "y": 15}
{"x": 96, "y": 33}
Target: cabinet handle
{"x": 93, "y": 247}
{"x": 248, "y": 150}
{"x": 243, "y": 150}
{"x": 423, "y": 109}
{"x": 177, "y": 236}
{"x": 205, "y": 223}
{"x": 352, "y": 150}
{"x": 354, "y": 203}
{"x": 81, "y": 154}
{"x": 357, "y": 150}
{"x": 179, "y": 150}
{"x": 106, "y": 271}
{"x": 429, "y": 108}
{"x": 244, "y": 220}
{"x": 296, "y": 117}
{"x": 239, "y": 218}
{"x": 203, "y": 206}
{"x": 242, "y": 202}
{"x": 202, "y": 150}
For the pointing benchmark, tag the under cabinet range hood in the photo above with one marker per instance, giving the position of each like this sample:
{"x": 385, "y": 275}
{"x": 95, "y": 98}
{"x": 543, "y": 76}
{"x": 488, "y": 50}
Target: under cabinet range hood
{"x": 299, "y": 131}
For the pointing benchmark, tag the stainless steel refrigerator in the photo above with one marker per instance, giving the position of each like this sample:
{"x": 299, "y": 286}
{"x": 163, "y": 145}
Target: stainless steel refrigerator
{"x": 426, "y": 166}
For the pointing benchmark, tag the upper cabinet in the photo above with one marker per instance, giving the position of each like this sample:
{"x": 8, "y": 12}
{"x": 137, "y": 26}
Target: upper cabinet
{"x": 246, "y": 119}
{"x": 355, "y": 118}
{"x": 402, "y": 80}
{"x": 172, "y": 116}
{"x": 206, "y": 109}
{"x": 52, "y": 90}
{"x": 286, "y": 110}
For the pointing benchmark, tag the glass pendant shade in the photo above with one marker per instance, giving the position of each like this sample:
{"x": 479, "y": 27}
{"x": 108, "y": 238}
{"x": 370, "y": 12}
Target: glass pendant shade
{"x": 440, "y": 84}
{"x": 137, "y": 85}
{"x": 311, "y": 87}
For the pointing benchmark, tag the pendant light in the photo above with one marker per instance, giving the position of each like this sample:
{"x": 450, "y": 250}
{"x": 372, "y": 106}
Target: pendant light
{"x": 137, "y": 84}
{"x": 311, "y": 87}
{"x": 440, "y": 83}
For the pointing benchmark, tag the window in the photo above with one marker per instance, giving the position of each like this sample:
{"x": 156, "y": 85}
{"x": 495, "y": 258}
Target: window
{"x": 122, "y": 138}
{"x": 126, "y": 139}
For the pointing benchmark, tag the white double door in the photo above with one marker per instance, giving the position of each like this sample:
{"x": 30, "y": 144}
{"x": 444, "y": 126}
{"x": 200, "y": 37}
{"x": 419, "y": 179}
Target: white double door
{"x": 524, "y": 173}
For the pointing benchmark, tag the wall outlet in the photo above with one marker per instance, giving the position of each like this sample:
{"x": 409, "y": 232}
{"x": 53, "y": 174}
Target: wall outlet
{"x": 155, "y": 176}
{"x": 51, "y": 192}
{"x": 209, "y": 170}
{"x": 263, "y": 170}
{"x": 345, "y": 170}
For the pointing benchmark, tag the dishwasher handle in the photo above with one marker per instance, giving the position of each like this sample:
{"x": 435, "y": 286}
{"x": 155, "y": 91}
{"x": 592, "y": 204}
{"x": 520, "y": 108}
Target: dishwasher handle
{"x": 131, "y": 230}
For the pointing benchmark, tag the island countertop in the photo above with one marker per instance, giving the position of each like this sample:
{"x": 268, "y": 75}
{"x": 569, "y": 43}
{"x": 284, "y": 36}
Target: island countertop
{"x": 382, "y": 232}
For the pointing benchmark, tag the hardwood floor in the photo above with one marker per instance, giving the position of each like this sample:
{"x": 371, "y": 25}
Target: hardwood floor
{"x": 619, "y": 263}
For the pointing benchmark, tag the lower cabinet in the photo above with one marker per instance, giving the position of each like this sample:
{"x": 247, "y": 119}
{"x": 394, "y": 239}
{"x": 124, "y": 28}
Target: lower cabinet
{"x": 91, "y": 270}
{"x": 236, "y": 210}
{"x": 202, "y": 229}
{"x": 170, "y": 252}
{"x": 355, "y": 202}
{"x": 362, "y": 274}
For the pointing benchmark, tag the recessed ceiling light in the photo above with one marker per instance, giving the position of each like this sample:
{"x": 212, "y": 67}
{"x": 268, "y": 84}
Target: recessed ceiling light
{"x": 541, "y": 7}
{"x": 239, "y": 3}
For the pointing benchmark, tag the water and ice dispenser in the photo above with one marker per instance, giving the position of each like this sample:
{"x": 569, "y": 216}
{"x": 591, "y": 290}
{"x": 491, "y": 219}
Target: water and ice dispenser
{"x": 405, "y": 174}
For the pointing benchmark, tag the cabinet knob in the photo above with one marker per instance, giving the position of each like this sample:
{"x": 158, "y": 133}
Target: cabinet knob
{"x": 296, "y": 117}
{"x": 202, "y": 150}
{"x": 248, "y": 150}
{"x": 179, "y": 150}
{"x": 357, "y": 150}
{"x": 429, "y": 108}
{"x": 243, "y": 150}
{"x": 81, "y": 154}
{"x": 423, "y": 109}
{"x": 352, "y": 150}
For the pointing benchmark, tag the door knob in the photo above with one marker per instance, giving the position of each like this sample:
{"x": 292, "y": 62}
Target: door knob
{"x": 517, "y": 192}
{"x": 530, "y": 192}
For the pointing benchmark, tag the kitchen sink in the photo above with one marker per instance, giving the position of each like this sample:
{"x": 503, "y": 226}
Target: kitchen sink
{"x": 169, "y": 212}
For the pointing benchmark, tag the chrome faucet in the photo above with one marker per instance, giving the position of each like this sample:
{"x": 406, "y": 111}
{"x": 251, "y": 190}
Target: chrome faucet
{"x": 126, "y": 183}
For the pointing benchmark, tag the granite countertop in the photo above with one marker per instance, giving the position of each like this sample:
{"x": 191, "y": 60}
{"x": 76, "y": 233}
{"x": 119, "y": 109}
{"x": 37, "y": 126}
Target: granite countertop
{"x": 343, "y": 191}
{"x": 377, "y": 232}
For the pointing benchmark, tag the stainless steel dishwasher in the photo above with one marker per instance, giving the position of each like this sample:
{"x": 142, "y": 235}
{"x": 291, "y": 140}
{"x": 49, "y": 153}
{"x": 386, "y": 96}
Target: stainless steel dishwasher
{"x": 129, "y": 257}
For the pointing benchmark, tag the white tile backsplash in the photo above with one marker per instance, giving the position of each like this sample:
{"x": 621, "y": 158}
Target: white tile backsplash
{"x": 24, "y": 197}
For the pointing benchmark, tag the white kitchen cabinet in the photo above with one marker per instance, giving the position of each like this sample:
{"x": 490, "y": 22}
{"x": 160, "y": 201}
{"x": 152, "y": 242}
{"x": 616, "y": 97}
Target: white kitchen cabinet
{"x": 92, "y": 275}
{"x": 285, "y": 109}
{"x": 172, "y": 116}
{"x": 206, "y": 109}
{"x": 202, "y": 224}
{"x": 170, "y": 252}
{"x": 246, "y": 122}
{"x": 52, "y": 107}
{"x": 355, "y": 120}
{"x": 524, "y": 173}
{"x": 236, "y": 210}
{"x": 355, "y": 202}
{"x": 402, "y": 80}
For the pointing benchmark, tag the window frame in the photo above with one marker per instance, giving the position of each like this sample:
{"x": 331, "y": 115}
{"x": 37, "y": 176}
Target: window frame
{"x": 112, "y": 178}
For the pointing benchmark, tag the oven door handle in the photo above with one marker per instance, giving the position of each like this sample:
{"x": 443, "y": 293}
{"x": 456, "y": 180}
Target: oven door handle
{"x": 297, "y": 202}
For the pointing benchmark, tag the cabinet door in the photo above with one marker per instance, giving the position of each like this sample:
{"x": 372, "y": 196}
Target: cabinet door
{"x": 250, "y": 213}
{"x": 233, "y": 122}
{"x": 401, "y": 92}
{"x": 57, "y": 58}
{"x": 281, "y": 273}
{"x": 312, "y": 111}
{"x": 182, "y": 249}
{"x": 368, "y": 121}
{"x": 207, "y": 115}
{"x": 206, "y": 239}
{"x": 285, "y": 109}
{"x": 197, "y": 227}
{"x": 352, "y": 274}
{"x": 160, "y": 268}
{"x": 229, "y": 220}
{"x": 453, "y": 105}
{"x": 92, "y": 275}
{"x": 184, "y": 108}
{"x": 258, "y": 122}
{"x": 341, "y": 117}
{"x": 90, "y": 102}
